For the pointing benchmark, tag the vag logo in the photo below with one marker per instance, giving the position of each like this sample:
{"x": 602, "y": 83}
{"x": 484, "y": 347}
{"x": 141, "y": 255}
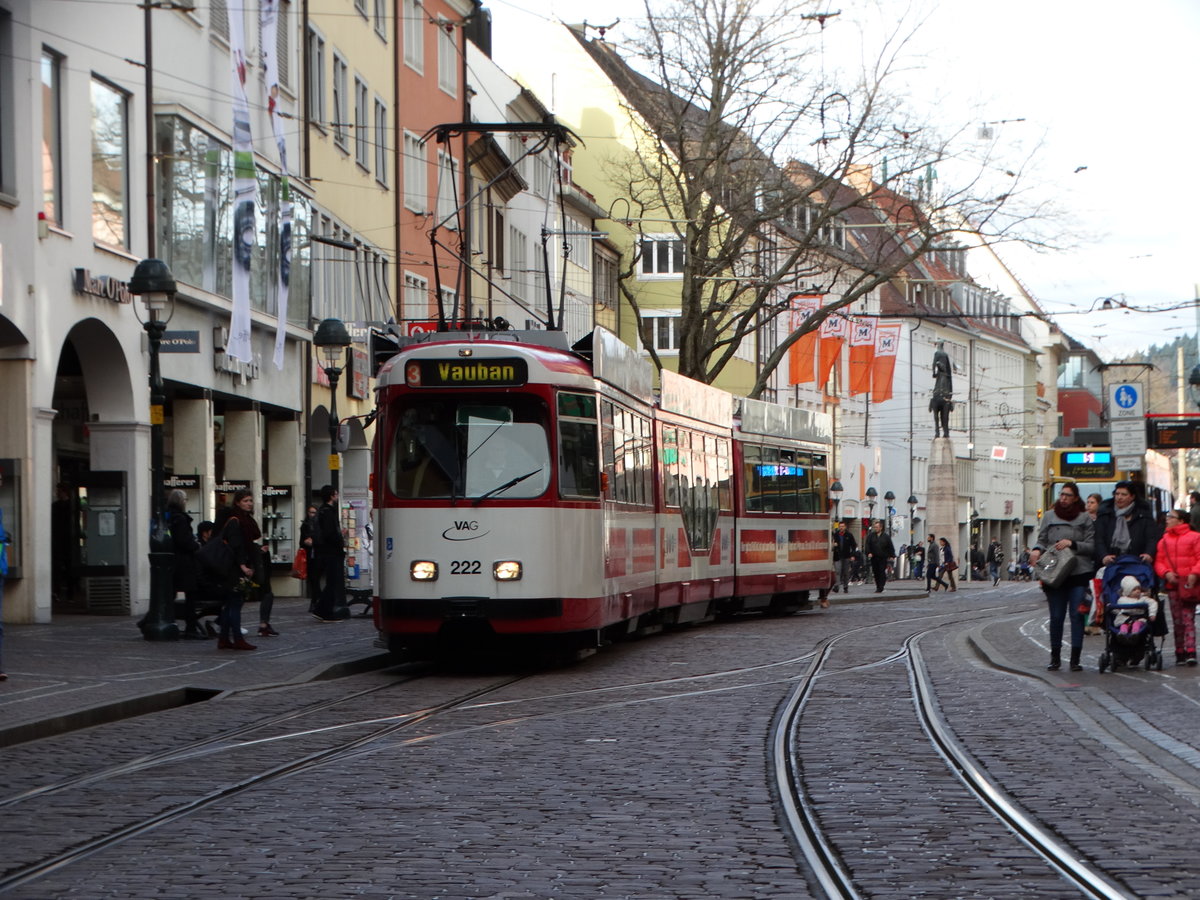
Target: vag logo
{"x": 463, "y": 530}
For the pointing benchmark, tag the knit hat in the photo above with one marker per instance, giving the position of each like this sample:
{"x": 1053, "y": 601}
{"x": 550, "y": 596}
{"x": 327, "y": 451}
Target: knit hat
{"x": 1129, "y": 584}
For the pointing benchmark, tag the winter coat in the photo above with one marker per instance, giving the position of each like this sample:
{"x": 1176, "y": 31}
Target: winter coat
{"x": 1143, "y": 530}
{"x": 844, "y": 545}
{"x": 1178, "y": 552}
{"x": 184, "y": 545}
{"x": 880, "y": 545}
{"x": 1080, "y": 531}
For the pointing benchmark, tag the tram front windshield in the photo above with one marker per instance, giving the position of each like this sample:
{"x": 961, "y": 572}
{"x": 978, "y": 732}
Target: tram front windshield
{"x": 470, "y": 449}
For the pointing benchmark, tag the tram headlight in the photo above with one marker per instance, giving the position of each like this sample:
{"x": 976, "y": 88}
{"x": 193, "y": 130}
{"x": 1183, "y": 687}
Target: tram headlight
{"x": 506, "y": 570}
{"x": 423, "y": 570}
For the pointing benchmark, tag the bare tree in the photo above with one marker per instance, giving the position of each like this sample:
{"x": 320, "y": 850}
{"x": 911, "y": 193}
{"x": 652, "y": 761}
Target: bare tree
{"x": 726, "y": 92}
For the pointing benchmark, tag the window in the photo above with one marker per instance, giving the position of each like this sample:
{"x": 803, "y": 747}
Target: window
{"x": 498, "y": 235}
{"x": 416, "y": 178}
{"x": 362, "y": 126}
{"x": 414, "y": 35}
{"x": 6, "y": 106}
{"x": 218, "y": 18}
{"x": 662, "y": 256}
{"x": 660, "y": 329}
{"x": 381, "y": 17}
{"x": 52, "y": 136}
{"x": 316, "y": 78}
{"x": 448, "y": 61}
{"x": 447, "y": 194}
{"x": 540, "y": 181}
{"x": 110, "y": 165}
{"x": 518, "y": 255}
{"x": 604, "y": 279}
{"x": 578, "y": 462}
{"x": 381, "y": 157}
{"x": 361, "y": 6}
{"x": 579, "y": 242}
{"x": 416, "y": 297}
{"x": 341, "y": 112}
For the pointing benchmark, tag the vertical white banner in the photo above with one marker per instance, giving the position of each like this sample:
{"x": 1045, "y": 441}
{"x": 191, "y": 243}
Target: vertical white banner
{"x": 245, "y": 233}
{"x": 269, "y": 13}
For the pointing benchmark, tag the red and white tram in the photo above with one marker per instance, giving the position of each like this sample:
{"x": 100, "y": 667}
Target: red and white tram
{"x": 523, "y": 487}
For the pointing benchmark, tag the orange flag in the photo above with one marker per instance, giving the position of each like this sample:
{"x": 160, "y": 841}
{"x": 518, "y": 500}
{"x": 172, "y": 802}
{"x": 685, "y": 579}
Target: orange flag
{"x": 862, "y": 355}
{"x": 802, "y": 354}
{"x": 834, "y": 332}
{"x": 887, "y": 346}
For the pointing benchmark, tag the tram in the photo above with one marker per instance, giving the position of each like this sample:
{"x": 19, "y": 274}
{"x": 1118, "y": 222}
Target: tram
{"x": 527, "y": 488}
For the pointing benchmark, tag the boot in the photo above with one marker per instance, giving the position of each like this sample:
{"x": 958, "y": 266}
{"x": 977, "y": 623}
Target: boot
{"x": 1075, "y": 665}
{"x": 1055, "y": 660}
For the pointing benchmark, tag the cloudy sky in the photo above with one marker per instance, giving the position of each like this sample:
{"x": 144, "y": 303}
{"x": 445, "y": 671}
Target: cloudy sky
{"x": 1106, "y": 92}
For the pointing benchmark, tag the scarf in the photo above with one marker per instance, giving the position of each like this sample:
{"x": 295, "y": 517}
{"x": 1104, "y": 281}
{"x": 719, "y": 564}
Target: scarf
{"x": 1068, "y": 512}
{"x": 1120, "y": 538}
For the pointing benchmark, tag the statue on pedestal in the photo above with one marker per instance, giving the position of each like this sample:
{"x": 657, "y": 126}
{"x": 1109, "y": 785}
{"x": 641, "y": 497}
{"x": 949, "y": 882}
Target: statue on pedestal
{"x": 943, "y": 388}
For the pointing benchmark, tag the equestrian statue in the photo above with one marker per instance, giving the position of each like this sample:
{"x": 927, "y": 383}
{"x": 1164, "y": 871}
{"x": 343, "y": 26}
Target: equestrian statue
{"x": 940, "y": 404}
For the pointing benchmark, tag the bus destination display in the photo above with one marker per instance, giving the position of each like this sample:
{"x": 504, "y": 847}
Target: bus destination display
{"x": 1088, "y": 465}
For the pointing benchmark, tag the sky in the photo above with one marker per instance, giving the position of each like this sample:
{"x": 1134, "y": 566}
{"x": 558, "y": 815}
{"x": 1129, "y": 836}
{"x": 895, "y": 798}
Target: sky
{"x": 1106, "y": 93}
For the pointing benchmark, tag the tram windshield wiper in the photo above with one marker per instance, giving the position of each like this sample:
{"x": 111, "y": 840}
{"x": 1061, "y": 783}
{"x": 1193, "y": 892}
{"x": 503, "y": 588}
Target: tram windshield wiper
{"x": 504, "y": 487}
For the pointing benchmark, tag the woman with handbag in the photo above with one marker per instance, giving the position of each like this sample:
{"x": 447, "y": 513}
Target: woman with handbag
{"x": 1066, "y": 525}
{"x": 1178, "y": 565}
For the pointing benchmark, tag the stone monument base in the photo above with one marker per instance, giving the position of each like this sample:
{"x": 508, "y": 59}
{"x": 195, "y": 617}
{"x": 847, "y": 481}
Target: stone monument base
{"x": 941, "y": 507}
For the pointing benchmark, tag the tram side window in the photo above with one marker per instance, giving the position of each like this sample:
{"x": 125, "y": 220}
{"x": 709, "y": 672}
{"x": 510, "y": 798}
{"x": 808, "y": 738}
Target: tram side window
{"x": 671, "y": 471}
{"x": 751, "y": 465}
{"x": 724, "y": 476}
{"x": 578, "y": 451}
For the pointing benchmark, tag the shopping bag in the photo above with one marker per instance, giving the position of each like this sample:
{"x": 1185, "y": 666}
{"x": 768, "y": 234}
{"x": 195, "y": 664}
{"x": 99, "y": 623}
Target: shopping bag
{"x": 300, "y": 564}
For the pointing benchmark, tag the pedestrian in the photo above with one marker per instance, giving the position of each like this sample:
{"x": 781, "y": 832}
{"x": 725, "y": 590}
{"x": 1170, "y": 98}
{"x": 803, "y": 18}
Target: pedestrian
{"x": 1125, "y": 526}
{"x": 1093, "y": 505}
{"x": 1178, "y": 565}
{"x": 880, "y": 552}
{"x": 1194, "y": 513}
{"x": 257, "y": 557}
{"x": 995, "y": 558}
{"x": 308, "y": 543}
{"x": 918, "y": 562}
{"x": 185, "y": 574}
{"x": 1067, "y": 524}
{"x": 331, "y": 550}
{"x": 844, "y": 548}
{"x": 933, "y": 564}
{"x": 5, "y": 540}
{"x": 949, "y": 564}
{"x": 977, "y": 560}
{"x": 210, "y": 599}
{"x": 226, "y": 566}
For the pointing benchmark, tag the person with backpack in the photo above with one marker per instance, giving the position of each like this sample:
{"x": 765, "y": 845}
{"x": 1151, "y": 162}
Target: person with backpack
{"x": 995, "y": 558}
{"x": 223, "y": 567}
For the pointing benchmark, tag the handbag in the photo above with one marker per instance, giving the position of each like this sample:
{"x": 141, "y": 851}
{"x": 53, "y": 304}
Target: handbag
{"x": 300, "y": 564}
{"x": 1053, "y": 566}
{"x": 952, "y": 566}
{"x": 215, "y": 558}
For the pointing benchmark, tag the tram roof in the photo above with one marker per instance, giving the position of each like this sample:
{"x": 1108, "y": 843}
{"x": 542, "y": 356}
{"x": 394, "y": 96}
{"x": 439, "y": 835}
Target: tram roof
{"x": 760, "y": 417}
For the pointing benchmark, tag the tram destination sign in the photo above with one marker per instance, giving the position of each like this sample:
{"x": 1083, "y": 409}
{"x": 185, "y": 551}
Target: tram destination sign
{"x": 1170, "y": 434}
{"x": 465, "y": 373}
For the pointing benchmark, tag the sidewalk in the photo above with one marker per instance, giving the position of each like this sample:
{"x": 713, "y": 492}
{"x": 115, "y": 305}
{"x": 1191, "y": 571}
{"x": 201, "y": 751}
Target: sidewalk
{"x": 901, "y": 589}
{"x": 85, "y": 670}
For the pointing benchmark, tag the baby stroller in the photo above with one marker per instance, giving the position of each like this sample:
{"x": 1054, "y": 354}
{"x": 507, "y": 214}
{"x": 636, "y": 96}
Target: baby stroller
{"x": 1128, "y": 632}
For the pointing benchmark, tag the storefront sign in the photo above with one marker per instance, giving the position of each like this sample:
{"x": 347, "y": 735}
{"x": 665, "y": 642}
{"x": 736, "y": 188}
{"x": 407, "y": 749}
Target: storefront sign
{"x": 103, "y": 286}
{"x": 275, "y": 491}
{"x": 182, "y": 482}
{"x": 356, "y": 384}
{"x": 230, "y": 487}
{"x": 180, "y": 342}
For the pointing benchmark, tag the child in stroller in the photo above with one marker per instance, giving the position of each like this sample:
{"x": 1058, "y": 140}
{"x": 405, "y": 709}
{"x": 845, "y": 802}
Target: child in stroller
{"x": 1129, "y": 620}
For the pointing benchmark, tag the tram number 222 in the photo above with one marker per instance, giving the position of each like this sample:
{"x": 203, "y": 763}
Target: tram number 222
{"x": 465, "y": 567}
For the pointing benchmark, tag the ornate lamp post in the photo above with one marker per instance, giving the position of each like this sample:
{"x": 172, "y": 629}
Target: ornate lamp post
{"x": 835, "y": 494}
{"x": 153, "y": 281}
{"x": 333, "y": 339}
{"x": 888, "y": 500}
{"x": 912, "y": 522}
{"x": 871, "y": 495}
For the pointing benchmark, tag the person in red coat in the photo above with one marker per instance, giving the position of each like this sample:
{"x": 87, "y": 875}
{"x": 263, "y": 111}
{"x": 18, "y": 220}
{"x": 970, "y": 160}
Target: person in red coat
{"x": 1177, "y": 563}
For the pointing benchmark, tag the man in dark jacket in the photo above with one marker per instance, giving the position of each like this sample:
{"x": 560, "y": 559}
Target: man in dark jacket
{"x": 844, "y": 546}
{"x": 331, "y": 551}
{"x": 1125, "y": 527}
{"x": 995, "y": 556}
{"x": 880, "y": 551}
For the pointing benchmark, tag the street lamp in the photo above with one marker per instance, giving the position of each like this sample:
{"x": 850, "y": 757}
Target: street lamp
{"x": 888, "y": 499}
{"x": 153, "y": 281}
{"x": 332, "y": 338}
{"x": 835, "y": 494}
{"x": 871, "y": 495}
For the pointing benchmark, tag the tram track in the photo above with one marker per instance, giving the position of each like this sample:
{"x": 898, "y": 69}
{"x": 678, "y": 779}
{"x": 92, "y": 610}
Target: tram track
{"x": 24, "y": 874}
{"x": 831, "y": 871}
